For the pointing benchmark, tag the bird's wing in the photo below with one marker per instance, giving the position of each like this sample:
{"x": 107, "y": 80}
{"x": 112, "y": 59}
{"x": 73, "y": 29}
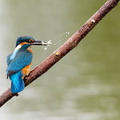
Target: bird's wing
{"x": 8, "y": 59}
{"x": 21, "y": 60}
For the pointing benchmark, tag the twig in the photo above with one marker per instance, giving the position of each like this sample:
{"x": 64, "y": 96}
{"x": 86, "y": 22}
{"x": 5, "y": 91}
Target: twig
{"x": 71, "y": 43}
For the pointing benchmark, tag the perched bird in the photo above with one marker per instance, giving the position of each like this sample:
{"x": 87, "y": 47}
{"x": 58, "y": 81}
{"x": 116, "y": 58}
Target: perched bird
{"x": 19, "y": 62}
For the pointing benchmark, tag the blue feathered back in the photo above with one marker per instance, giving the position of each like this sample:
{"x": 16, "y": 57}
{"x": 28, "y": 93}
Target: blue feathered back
{"x": 14, "y": 70}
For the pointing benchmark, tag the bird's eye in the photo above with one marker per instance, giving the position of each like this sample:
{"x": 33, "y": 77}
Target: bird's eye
{"x": 31, "y": 40}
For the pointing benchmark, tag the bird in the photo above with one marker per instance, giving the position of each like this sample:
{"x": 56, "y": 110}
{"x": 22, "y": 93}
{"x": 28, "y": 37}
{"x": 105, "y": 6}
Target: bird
{"x": 19, "y": 62}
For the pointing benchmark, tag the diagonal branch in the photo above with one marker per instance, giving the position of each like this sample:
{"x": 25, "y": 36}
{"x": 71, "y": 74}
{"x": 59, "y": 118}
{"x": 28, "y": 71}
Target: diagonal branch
{"x": 71, "y": 43}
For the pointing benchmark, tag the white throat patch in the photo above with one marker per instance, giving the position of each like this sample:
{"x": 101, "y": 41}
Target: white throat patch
{"x": 15, "y": 52}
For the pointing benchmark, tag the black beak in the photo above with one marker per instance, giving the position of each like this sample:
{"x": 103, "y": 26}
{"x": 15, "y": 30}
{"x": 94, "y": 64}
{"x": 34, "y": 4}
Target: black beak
{"x": 37, "y": 42}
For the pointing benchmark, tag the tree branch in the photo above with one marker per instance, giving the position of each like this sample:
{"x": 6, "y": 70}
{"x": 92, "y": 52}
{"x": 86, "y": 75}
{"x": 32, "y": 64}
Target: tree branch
{"x": 71, "y": 43}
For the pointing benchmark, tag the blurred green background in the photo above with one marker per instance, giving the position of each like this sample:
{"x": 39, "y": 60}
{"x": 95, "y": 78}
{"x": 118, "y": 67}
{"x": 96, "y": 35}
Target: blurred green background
{"x": 85, "y": 84}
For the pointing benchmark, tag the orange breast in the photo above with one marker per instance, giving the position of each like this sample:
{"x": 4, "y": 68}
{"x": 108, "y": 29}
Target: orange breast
{"x": 26, "y": 70}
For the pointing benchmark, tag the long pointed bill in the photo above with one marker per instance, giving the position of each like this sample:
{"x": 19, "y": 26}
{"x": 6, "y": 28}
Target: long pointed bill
{"x": 37, "y": 42}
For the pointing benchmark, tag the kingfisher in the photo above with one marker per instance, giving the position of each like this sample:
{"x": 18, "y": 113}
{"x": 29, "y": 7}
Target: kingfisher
{"x": 19, "y": 61}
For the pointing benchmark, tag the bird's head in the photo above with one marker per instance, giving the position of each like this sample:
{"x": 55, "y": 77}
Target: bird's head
{"x": 27, "y": 41}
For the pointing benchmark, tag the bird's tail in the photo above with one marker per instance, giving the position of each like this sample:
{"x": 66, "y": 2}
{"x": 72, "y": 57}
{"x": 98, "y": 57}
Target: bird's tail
{"x": 17, "y": 83}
